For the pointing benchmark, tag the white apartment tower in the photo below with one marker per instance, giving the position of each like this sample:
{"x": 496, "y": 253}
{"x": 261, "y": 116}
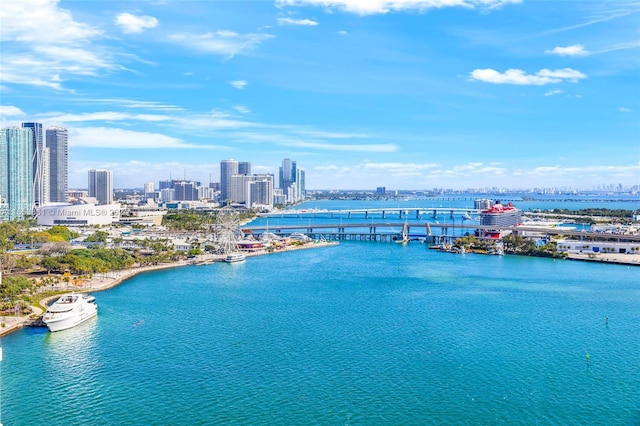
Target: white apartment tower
{"x": 101, "y": 185}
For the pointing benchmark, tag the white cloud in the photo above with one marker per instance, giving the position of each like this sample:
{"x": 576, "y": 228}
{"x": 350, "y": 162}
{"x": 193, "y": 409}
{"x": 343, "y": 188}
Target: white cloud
{"x": 102, "y": 116}
{"x": 222, "y": 42}
{"x": 114, "y": 138}
{"x": 291, "y": 21}
{"x": 343, "y": 33}
{"x": 42, "y": 45}
{"x": 340, "y": 147}
{"x": 372, "y": 7}
{"x": 134, "y": 103}
{"x": 545, "y": 171}
{"x": 625, "y": 109}
{"x": 573, "y": 50}
{"x": 33, "y": 21}
{"x": 401, "y": 169}
{"x": 135, "y": 24}
{"x": 554, "y": 92}
{"x": 519, "y": 77}
{"x": 10, "y": 111}
{"x": 238, "y": 84}
{"x": 242, "y": 109}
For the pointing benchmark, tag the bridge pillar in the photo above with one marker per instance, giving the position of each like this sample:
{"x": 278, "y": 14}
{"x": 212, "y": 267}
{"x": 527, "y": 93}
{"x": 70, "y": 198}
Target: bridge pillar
{"x": 451, "y": 215}
{"x": 400, "y": 213}
{"x": 383, "y": 213}
{"x": 418, "y": 214}
{"x": 435, "y": 213}
{"x": 349, "y": 215}
{"x": 366, "y": 214}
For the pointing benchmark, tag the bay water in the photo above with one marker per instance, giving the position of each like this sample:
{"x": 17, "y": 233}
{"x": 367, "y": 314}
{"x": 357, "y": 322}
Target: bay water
{"x": 362, "y": 333}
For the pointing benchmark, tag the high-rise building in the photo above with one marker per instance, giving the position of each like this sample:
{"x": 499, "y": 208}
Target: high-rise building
{"x": 149, "y": 191}
{"x": 185, "y": 190}
{"x": 101, "y": 185}
{"x": 241, "y": 188}
{"x": 40, "y": 182}
{"x": 300, "y": 180}
{"x": 165, "y": 184}
{"x": 228, "y": 168}
{"x": 244, "y": 168}
{"x": 260, "y": 192}
{"x": 58, "y": 146}
{"x": 292, "y": 181}
{"x": 16, "y": 173}
{"x": 287, "y": 174}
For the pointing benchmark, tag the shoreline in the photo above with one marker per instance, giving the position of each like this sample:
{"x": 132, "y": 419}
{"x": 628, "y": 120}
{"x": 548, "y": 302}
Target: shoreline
{"x": 102, "y": 282}
{"x": 615, "y": 258}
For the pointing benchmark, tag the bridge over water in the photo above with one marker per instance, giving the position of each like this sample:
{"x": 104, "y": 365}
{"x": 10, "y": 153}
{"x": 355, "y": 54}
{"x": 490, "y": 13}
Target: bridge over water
{"x": 386, "y": 231}
{"x": 400, "y": 212}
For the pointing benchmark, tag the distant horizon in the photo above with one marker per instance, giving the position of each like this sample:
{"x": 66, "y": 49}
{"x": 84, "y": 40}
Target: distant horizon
{"x": 634, "y": 191}
{"x": 430, "y": 94}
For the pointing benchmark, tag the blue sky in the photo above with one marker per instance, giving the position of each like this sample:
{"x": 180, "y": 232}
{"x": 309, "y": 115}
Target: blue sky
{"x": 407, "y": 94}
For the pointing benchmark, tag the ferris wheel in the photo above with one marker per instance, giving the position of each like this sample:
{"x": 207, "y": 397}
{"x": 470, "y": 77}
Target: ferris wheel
{"x": 228, "y": 230}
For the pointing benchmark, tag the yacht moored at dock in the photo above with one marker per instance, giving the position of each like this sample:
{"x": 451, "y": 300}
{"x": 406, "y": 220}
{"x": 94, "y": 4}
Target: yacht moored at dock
{"x": 234, "y": 257}
{"x": 70, "y": 310}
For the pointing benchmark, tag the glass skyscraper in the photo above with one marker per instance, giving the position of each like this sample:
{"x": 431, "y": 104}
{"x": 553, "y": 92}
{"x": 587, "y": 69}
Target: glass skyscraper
{"x": 16, "y": 173}
{"x": 228, "y": 168}
{"x": 292, "y": 181}
{"x": 58, "y": 146}
{"x": 38, "y": 164}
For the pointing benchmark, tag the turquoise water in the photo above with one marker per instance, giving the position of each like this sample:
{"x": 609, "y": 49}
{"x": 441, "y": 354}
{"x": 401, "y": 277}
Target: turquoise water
{"x": 360, "y": 333}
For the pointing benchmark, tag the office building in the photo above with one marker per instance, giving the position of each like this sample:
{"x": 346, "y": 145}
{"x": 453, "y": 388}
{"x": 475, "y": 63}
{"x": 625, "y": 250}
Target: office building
{"x": 165, "y": 184}
{"x": 244, "y": 168}
{"x": 292, "y": 181}
{"x": 185, "y": 190}
{"x": 287, "y": 174}
{"x": 101, "y": 185}
{"x": 40, "y": 181}
{"x": 16, "y": 173}
{"x": 228, "y": 168}
{"x": 57, "y": 139}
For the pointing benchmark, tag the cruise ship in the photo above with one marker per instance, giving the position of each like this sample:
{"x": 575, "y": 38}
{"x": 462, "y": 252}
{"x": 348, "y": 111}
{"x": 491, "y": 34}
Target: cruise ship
{"x": 500, "y": 216}
{"x": 70, "y": 310}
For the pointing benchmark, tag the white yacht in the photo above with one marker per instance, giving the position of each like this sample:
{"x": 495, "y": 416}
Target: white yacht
{"x": 234, "y": 257}
{"x": 70, "y": 310}
{"x": 297, "y": 236}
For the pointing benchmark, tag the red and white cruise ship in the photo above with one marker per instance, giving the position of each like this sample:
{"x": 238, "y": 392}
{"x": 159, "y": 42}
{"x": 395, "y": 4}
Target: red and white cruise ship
{"x": 500, "y": 216}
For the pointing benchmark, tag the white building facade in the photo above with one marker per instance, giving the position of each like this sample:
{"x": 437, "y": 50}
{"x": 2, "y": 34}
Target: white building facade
{"x": 78, "y": 214}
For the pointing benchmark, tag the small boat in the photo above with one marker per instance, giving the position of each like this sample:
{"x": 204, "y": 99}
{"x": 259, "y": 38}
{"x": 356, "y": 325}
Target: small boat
{"x": 70, "y": 310}
{"x": 234, "y": 257}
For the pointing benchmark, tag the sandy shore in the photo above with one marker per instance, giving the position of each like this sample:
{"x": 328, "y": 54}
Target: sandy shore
{"x": 101, "y": 282}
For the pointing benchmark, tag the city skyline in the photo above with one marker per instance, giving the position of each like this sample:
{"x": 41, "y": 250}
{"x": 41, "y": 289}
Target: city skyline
{"x": 406, "y": 95}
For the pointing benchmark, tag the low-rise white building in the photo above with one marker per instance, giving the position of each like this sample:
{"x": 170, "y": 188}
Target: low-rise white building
{"x": 78, "y": 214}
{"x": 577, "y": 246}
